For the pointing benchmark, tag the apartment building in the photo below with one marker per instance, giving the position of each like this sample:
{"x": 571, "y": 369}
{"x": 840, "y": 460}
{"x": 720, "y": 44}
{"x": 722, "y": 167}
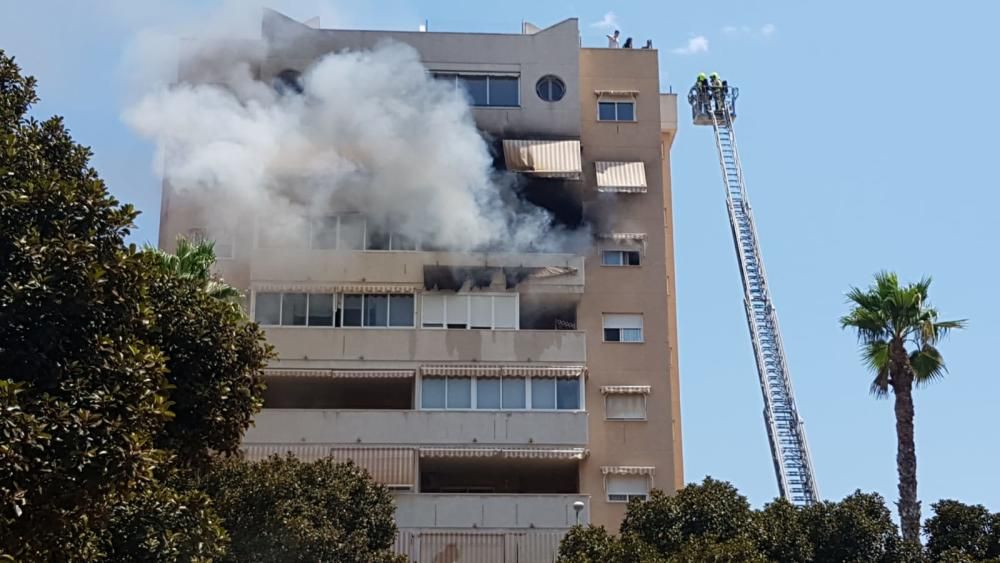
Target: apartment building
{"x": 502, "y": 396}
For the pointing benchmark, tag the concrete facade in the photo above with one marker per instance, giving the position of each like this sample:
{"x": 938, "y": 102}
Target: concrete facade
{"x": 510, "y": 474}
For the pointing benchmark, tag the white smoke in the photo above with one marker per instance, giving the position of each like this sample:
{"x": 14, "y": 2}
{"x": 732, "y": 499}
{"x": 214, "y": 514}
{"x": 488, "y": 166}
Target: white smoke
{"x": 372, "y": 132}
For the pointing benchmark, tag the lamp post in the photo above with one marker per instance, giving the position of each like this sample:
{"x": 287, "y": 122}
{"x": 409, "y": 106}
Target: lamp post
{"x": 578, "y": 507}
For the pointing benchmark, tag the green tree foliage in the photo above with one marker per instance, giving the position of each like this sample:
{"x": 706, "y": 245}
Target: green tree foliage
{"x": 958, "y": 531}
{"x": 87, "y": 394}
{"x": 712, "y": 510}
{"x": 899, "y": 332}
{"x": 115, "y": 370}
{"x": 193, "y": 260}
{"x": 161, "y": 524}
{"x": 283, "y": 509}
{"x": 858, "y": 528}
{"x": 712, "y": 522}
{"x": 214, "y": 359}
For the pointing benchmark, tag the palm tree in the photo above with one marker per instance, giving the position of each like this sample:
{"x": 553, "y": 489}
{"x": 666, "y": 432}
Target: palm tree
{"x": 193, "y": 260}
{"x": 888, "y": 318}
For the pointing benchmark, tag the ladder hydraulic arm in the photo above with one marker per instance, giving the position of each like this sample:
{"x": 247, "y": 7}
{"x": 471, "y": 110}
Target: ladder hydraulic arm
{"x": 785, "y": 429}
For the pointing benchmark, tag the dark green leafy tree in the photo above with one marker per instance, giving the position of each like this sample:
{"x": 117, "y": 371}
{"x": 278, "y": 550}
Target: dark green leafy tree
{"x": 283, "y": 509}
{"x": 899, "y": 332}
{"x": 858, "y": 528}
{"x": 214, "y": 358}
{"x": 193, "y": 260}
{"x": 782, "y": 535}
{"x": 712, "y": 510}
{"x": 956, "y": 529}
{"x": 86, "y": 393}
{"x": 161, "y": 524}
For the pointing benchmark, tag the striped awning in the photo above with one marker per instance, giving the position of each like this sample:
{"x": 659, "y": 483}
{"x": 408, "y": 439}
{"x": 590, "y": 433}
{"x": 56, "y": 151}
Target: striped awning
{"x": 305, "y": 452}
{"x": 394, "y": 467}
{"x": 554, "y": 159}
{"x": 627, "y": 177}
{"x": 617, "y": 93}
{"x": 544, "y": 371}
{"x": 343, "y": 373}
{"x": 506, "y": 453}
{"x": 298, "y": 287}
{"x": 622, "y": 236}
{"x": 625, "y": 389}
{"x": 390, "y": 466}
{"x": 627, "y": 470}
{"x": 493, "y": 370}
{"x": 461, "y": 370}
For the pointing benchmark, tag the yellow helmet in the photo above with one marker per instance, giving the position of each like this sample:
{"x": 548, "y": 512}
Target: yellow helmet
{"x": 701, "y": 76}
{"x": 715, "y": 75}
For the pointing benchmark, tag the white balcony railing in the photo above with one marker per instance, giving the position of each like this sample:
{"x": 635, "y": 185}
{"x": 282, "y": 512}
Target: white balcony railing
{"x": 432, "y": 510}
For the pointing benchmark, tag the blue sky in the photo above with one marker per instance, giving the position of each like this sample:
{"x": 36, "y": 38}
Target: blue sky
{"x": 865, "y": 131}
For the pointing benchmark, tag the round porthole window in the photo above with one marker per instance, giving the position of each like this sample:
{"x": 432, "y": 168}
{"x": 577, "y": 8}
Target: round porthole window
{"x": 550, "y": 88}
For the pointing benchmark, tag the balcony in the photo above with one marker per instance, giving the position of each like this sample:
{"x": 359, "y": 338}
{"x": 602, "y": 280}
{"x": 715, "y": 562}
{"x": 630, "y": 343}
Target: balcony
{"x": 384, "y": 427}
{"x": 668, "y": 113}
{"x": 303, "y": 265}
{"x": 427, "y": 510}
{"x": 300, "y": 347}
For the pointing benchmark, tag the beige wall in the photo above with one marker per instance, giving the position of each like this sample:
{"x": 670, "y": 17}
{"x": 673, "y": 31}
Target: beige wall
{"x": 550, "y": 51}
{"x": 647, "y": 289}
{"x": 403, "y": 428}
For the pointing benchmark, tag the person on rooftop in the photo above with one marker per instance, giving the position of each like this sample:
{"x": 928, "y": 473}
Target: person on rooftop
{"x": 613, "y": 40}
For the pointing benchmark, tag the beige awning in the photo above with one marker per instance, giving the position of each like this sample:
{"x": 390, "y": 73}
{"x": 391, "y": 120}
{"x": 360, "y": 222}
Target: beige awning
{"x": 293, "y": 287}
{"x": 554, "y": 159}
{"x": 627, "y": 470}
{"x": 494, "y": 370}
{"x": 343, "y": 373}
{"x": 617, "y": 93}
{"x": 393, "y": 467}
{"x": 627, "y": 177}
{"x": 305, "y": 452}
{"x": 544, "y": 371}
{"x": 461, "y": 370}
{"x": 507, "y": 453}
{"x": 625, "y": 389}
{"x": 623, "y": 236}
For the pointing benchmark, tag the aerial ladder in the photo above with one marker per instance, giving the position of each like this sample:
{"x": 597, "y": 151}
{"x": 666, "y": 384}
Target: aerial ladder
{"x": 785, "y": 430}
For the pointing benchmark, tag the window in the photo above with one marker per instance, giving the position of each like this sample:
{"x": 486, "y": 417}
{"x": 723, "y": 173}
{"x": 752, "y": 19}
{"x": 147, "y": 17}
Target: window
{"x": 446, "y": 393}
{"x": 377, "y": 310}
{"x": 288, "y": 81}
{"x": 623, "y": 328}
{"x": 267, "y": 308}
{"x": 469, "y": 311}
{"x": 352, "y": 232}
{"x": 630, "y": 406}
{"x": 488, "y": 393}
{"x": 620, "y": 258}
{"x": 321, "y": 309}
{"x": 514, "y": 389}
{"x": 295, "y": 309}
{"x": 616, "y": 111}
{"x": 486, "y": 90}
{"x": 500, "y": 393}
{"x": 550, "y": 88}
{"x": 623, "y": 488}
{"x": 552, "y": 393}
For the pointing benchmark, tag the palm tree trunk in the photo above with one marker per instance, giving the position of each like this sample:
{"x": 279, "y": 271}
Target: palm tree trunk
{"x": 906, "y": 451}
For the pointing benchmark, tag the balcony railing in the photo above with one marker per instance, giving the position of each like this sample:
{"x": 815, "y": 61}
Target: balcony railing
{"x": 431, "y": 428}
{"x": 320, "y": 348}
{"x": 432, "y": 510}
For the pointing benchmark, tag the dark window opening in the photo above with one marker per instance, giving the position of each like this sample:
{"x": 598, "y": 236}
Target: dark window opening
{"x": 547, "y": 314}
{"x": 338, "y": 393}
{"x": 518, "y": 476}
{"x": 550, "y": 88}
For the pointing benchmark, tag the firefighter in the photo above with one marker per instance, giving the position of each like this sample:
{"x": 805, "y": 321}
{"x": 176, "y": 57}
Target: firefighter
{"x": 701, "y": 86}
{"x": 717, "y": 92}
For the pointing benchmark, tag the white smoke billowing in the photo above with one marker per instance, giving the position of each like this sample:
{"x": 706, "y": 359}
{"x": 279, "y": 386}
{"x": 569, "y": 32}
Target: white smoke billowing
{"x": 372, "y": 132}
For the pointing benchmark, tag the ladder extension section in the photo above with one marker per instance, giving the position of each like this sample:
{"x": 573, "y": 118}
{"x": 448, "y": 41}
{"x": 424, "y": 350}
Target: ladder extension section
{"x": 785, "y": 429}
